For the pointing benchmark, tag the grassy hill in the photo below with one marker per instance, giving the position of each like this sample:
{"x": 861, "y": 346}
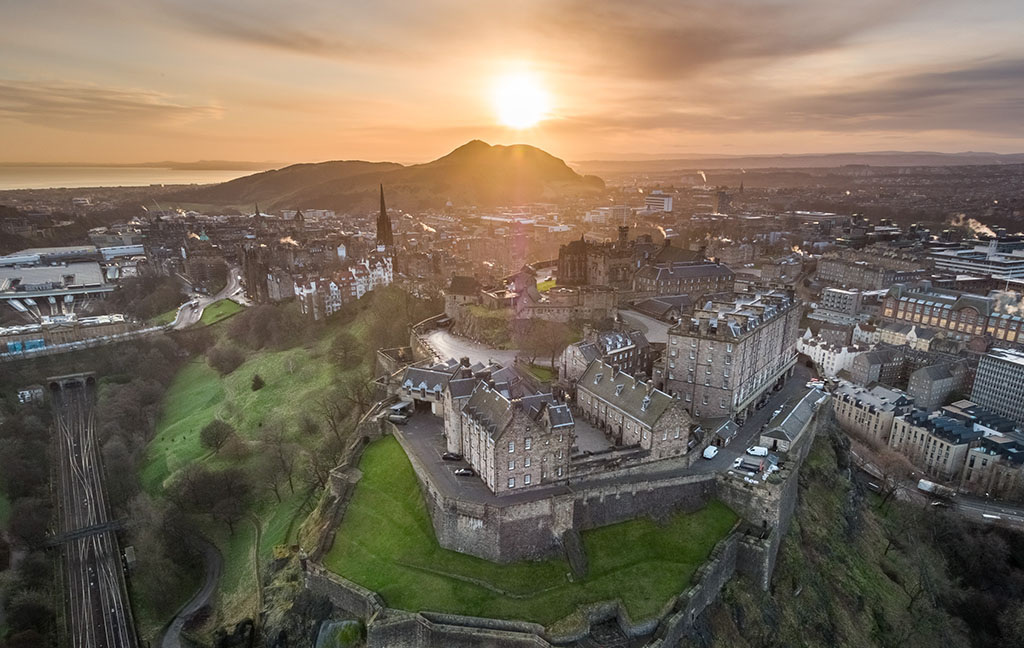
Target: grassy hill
{"x": 386, "y": 543}
{"x": 473, "y": 174}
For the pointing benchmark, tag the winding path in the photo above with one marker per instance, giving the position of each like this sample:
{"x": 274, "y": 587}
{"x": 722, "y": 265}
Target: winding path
{"x": 213, "y": 563}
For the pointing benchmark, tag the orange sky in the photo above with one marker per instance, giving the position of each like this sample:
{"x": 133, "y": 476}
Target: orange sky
{"x": 120, "y": 81}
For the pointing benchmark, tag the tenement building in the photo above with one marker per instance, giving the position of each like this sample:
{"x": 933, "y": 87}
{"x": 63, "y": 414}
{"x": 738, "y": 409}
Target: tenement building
{"x": 728, "y": 356}
{"x": 631, "y": 412}
{"x": 516, "y": 443}
{"x": 867, "y": 269}
{"x": 934, "y": 442}
{"x": 999, "y": 383}
{"x": 869, "y": 412}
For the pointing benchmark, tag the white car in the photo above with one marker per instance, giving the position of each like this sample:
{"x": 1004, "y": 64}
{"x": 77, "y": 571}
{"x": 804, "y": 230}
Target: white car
{"x": 757, "y": 451}
{"x": 710, "y": 452}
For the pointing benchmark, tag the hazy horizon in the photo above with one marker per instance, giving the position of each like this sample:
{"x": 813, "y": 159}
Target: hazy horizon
{"x": 108, "y": 81}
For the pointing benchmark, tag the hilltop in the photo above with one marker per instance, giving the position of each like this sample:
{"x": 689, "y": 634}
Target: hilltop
{"x": 476, "y": 173}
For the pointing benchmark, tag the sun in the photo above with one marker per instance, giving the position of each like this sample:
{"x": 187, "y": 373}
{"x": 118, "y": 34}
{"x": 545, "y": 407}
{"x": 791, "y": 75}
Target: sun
{"x": 520, "y": 100}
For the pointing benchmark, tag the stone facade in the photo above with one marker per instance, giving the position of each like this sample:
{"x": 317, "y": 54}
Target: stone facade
{"x": 631, "y": 412}
{"x": 962, "y": 316}
{"x": 728, "y": 356}
{"x": 869, "y": 413}
{"x": 694, "y": 279}
{"x": 630, "y": 351}
{"x": 935, "y": 443}
{"x": 516, "y": 444}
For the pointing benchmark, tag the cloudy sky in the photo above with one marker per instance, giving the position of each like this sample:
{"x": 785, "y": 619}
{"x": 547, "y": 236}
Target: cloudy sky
{"x": 310, "y": 80}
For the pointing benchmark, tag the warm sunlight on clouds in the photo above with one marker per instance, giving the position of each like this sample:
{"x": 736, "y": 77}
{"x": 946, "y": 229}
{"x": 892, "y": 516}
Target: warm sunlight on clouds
{"x": 520, "y": 100}
{"x": 309, "y": 80}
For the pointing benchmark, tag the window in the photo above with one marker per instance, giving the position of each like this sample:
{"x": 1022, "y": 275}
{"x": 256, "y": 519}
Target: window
{"x": 559, "y": 471}
{"x": 527, "y": 443}
{"x": 511, "y": 464}
{"x": 728, "y": 348}
{"x": 559, "y": 454}
{"x": 526, "y": 479}
{"x": 526, "y": 462}
{"x": 511, "y": 482}
{"x": 511, "y": 447}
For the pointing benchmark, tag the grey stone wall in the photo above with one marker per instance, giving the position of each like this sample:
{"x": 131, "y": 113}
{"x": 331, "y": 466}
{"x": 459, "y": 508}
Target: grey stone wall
{"x": 343, "y": 593}
{"x": 532, "y": 530}
{"x": 403, "y": 630}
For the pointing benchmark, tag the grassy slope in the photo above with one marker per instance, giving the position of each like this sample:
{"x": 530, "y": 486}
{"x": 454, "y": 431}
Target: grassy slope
{"x": 164, "y": 318}
{"x": 294, "y": 378}
{"x": 386, "y": 543}
{"x": 545, "y": 286}
{"x": 218, "y": 311}
{"x": 830, "y": 586}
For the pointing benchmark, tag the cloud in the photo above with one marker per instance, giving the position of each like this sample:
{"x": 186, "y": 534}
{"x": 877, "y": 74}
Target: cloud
{"x": 652, "y": 40}
{"x": 985, "y": 97}
{"x": 72, "y": 106}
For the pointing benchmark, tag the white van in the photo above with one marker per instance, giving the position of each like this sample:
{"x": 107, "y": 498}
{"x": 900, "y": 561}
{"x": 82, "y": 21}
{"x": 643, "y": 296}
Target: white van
{"x": 757, "y": 451}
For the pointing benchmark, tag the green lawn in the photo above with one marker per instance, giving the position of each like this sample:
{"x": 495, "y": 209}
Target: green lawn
{"x": 545, "y": 286}
{"x": 386, "y": 543}
{"x": 545, "y": 374}
{"x": 218, "y": 311}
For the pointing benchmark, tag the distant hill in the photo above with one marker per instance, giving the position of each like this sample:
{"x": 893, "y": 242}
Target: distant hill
{"x": 473, "y": 174}
{"x": 804, "y": 161}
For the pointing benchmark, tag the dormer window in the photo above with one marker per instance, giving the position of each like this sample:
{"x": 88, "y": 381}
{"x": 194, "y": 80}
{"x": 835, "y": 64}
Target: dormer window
{"x": 618, "y": 389}
{"x": 597, "y": 379}
{"x": 645, "y": 404}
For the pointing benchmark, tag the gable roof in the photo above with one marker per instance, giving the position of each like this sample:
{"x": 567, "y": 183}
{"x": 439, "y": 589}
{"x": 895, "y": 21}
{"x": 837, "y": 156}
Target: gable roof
{"x": 634, "y": 397}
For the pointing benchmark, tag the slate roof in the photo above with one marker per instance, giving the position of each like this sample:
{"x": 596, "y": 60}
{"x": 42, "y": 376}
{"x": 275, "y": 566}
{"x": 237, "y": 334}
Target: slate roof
{"x": 634, "y": 397}
{"x": 673, "y": 271}
{"x": 494, "y": 410}
{"x": 795, "y": 416}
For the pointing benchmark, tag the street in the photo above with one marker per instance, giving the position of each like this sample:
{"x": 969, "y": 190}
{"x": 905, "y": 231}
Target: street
{"x": 447, "y": 345}
{"x": 655, "y": 330}
{"x": 189, "y": 315}
{"x": 97, "y": 608}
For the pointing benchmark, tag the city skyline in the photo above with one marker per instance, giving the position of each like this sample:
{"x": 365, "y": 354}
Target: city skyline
{"x": 108, "y": 81}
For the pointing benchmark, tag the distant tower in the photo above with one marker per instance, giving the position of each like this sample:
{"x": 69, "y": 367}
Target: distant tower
{"x": 384, "y": 237}
{"x": 741, "y": 186}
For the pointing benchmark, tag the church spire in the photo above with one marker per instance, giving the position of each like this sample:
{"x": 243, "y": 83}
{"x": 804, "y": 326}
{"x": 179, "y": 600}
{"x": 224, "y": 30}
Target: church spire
{"x": 384, "y": 236}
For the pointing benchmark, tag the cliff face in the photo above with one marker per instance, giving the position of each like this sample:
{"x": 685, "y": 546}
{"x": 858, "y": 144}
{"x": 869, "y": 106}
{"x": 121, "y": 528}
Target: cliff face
{"x": 847, "y": 575}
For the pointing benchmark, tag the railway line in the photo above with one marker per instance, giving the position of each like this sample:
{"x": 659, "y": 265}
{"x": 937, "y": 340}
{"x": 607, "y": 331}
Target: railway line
{"x": 98, "y": 612}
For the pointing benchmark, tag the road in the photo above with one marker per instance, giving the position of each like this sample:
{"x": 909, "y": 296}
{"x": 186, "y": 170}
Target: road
{"x": 213, "y": 564}
{"x": 447, "y": 345}
{"x": 98, "y": 611}
{"x": 189, "y": 315}
{"x": 655, "y": 330}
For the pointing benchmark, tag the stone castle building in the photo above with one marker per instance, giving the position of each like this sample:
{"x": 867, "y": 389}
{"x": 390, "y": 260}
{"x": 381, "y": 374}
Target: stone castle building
{"x": 516, "y": 443}
{"x": 632, "y": 412}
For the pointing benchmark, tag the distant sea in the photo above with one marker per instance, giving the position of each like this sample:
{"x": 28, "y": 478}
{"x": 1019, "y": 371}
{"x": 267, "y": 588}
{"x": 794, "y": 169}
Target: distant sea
{"x": 54, "y": 177}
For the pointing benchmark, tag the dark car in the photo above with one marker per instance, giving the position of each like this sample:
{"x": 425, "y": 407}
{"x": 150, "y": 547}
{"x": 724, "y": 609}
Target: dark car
{"x": 465, "y": 472}
{"x": 451, "y": 456}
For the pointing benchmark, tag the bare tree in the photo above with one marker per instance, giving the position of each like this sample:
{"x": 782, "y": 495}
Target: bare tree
{"x": 215, "y": 434}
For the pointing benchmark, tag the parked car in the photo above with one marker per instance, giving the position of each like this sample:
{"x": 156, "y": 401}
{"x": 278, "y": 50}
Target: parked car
{"x": 398, "y": 419}
{"x": 757, "y": 451}
{"x": 710, "y": 452}
{"x": 465, "y": 472}
{"x": 451, "y": 456}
